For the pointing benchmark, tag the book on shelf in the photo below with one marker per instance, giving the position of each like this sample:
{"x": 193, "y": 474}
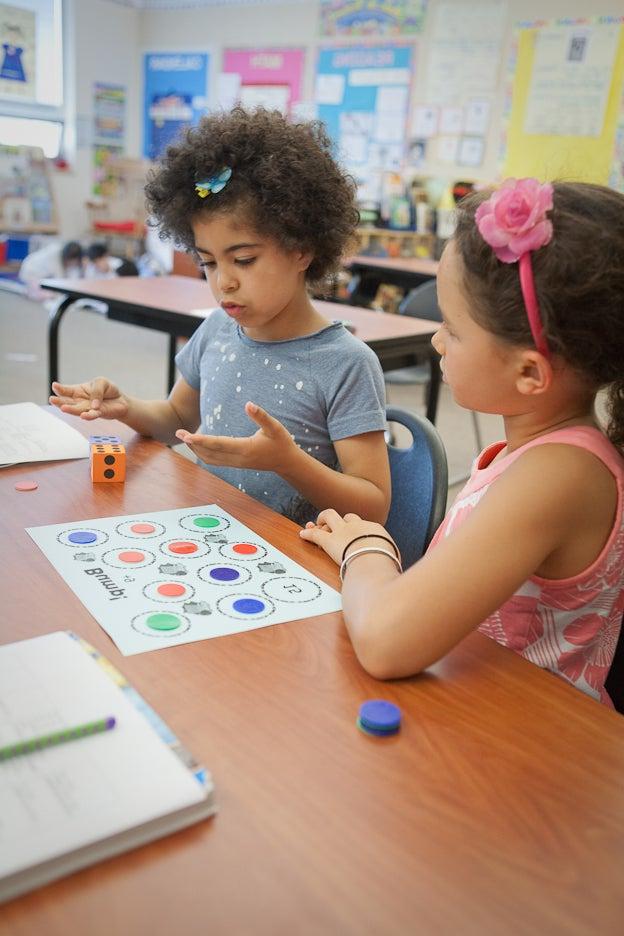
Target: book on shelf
{"x": 68, "y": 805}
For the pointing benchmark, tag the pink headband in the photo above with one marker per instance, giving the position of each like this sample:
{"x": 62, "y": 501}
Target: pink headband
{"x": 513, "y": 222}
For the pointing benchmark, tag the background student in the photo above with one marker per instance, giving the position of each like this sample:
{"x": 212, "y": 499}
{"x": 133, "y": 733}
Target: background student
{"x": 532, "y": 551}
{"x": 54, "y": 261}
{"x": 99, "y": 262}
{"x": 268, "y": 212}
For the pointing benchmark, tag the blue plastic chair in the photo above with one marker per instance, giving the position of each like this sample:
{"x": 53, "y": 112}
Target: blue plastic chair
{"x": 422, "y": 302}
{"x": 614, "y": 683}
{"x": 419, "y": 476}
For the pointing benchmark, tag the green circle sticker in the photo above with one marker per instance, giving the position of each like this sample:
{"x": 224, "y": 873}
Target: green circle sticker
{"x": 206, "y": 522}
{"x": 163, "y": 622}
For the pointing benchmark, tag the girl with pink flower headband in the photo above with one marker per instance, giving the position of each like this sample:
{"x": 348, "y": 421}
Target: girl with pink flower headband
{"x": 531, "y": 553}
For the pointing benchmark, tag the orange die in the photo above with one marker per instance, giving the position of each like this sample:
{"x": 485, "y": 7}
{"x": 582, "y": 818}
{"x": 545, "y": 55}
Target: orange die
{"x": 108, "y": 462}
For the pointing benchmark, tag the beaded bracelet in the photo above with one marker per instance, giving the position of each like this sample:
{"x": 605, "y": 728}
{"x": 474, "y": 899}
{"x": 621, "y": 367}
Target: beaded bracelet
{"x": 375, "y": 536}
{"x": 368, "y": 549}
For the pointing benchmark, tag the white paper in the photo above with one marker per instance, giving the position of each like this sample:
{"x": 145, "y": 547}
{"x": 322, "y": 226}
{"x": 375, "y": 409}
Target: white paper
{"x": 389, "y": 127}
{"x": 425, "y": 121}
{"x": 304, "y": 110}
{"x": 447, "y": 149}
{"x": 30, "y": 434}
{"x": 70, "y": 795}
{"x": 571, "y": 78}
{"x": 359, "y": 77}
{"x": 124, "y": 594}
{"x": 356, "y": 122}
{"x": 329, "y": 89}
{"x": 392, "y": 100}
{"x": 477, "y": 118}
{"x": 274, "y": 97}
{"x": 354, "y": 147}
{"x": 385, "y": 155}
{"x": 228, "y": 88}
{"x": 451, "y": 120}
{"x": 471, "y": 151}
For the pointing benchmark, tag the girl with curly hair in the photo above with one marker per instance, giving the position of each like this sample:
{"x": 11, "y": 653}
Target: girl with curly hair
{"x": 267, "y": 212}
{"x": 531, "y": 289}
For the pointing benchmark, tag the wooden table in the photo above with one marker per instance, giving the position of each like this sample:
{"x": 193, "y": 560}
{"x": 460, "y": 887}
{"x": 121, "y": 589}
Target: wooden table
{"x": 177, "y": 305}
{"x": 498, "y": 809}
{"x": 405, "y": 272}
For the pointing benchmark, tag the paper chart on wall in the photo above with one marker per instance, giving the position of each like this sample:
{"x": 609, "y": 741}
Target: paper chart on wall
{"x": 571, "y": 79}
{"x": 169, "y": 577}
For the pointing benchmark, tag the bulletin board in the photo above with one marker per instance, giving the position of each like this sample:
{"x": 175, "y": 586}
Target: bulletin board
{"x": 269, "y": 77}
{"x": 175, "y": 97}
{"x": 455, "y": 101}
{"x": 362, "y": 96}
{"x": 26, "y": 196}
{"x": 586, "y": 149}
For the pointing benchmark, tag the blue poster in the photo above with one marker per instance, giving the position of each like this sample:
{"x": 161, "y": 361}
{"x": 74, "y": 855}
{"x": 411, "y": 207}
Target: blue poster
{"x": 175, "y": 97}
{"x": 362, "y": 95}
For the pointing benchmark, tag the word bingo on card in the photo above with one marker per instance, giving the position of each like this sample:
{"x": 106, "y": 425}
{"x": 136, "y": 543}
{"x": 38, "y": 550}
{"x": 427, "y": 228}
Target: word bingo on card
{"x": 176, "y": 576}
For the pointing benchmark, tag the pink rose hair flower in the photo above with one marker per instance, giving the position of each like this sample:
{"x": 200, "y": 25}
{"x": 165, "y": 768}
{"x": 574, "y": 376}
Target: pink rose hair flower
{"x": 513, "y": 222}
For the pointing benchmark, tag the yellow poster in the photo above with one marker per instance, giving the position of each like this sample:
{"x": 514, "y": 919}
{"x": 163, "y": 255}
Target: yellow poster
{"x": 580, "y": 101}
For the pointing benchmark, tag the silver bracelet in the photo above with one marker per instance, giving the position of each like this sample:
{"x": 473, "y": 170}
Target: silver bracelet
{"x": 368, "y": 549}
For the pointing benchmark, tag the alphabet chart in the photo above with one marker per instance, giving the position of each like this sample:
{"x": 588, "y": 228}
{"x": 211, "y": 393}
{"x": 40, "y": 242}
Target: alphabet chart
{"x": 174, "y": 576}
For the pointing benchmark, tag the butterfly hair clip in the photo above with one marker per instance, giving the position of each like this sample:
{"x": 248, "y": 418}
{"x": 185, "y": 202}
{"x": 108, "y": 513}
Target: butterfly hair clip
{"x": 215, "y": 184}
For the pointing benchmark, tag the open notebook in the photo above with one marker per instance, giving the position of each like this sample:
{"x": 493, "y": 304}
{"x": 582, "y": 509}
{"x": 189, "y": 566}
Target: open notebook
{"x": 70, "y": 805}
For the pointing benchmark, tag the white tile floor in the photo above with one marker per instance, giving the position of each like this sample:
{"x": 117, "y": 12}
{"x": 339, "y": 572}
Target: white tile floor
{"x": 136, "y": 359}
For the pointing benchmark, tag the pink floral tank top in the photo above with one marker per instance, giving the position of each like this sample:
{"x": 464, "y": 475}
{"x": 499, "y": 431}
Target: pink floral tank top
{"x": 568, "y": 626}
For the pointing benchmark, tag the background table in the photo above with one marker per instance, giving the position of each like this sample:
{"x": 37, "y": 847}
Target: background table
{"x": 498, "y": 808}
{"x": 404, "y": 272}
{"x": 177, "y": 305}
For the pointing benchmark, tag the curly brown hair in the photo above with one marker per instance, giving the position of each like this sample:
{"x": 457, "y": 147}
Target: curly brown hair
{"x": 284, "y": 179}
{"x": 579, "y": 282}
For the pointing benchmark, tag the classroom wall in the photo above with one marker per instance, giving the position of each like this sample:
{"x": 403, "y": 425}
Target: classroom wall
{"x": 103, "y": 45}
{"x": 110, "y": 40}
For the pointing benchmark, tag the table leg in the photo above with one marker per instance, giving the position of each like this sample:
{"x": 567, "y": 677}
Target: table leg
{"x": 54, "y": 322}
{"x": 433, "y": 391}
{"x": 173, "y": 343}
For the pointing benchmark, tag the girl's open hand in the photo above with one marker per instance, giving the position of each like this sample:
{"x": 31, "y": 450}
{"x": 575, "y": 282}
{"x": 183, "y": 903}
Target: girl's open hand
{"x": 266, "y": 450}
{"x": 95, "y": 399}
{"x": 332, "y": 532}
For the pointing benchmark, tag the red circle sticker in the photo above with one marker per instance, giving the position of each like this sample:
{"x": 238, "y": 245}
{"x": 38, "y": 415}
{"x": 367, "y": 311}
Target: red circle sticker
{"x": 142, "y": 527}
{"x": 182, "y": 548}
{"x": 171, "y": 589}
{"x": 131, "y": 556}
{"x": 245, "y": 549}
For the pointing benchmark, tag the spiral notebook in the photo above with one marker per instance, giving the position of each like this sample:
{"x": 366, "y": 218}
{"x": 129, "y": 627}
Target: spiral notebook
{"x": 70, "y": 805}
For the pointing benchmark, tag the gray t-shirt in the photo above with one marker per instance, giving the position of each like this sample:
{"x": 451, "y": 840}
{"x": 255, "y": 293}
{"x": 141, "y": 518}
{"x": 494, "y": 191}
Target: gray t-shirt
{"x": 322, "y": 387}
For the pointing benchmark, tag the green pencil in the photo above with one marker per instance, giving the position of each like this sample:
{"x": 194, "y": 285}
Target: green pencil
{"x": 56, "y": 737}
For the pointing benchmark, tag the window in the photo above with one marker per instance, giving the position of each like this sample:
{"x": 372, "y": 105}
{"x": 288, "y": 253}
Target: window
{"x": 31, "y": 74}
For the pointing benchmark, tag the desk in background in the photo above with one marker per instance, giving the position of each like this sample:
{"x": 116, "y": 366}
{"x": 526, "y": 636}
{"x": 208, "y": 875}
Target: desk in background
{"x": 177, "y": 306}
{"x": 404, "y": 272}
{"x": 497, "y": 809}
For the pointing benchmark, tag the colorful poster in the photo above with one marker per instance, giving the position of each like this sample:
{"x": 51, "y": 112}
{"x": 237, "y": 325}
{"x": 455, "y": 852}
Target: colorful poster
{"x": 103, "y": 176}
{"x": 362, "y": 96}
{"x": 109, "y": 113}
{"x": 268, "y": 77}
{"x": 176, "y": 86}
{"x": 17, "y": 52}
{"x": 372, "y": 17}
{"x": 109, "y": 132}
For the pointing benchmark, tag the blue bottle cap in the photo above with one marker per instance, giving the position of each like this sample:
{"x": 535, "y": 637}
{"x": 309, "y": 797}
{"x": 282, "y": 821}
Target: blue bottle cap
{"x": 380, "y": 715}
{"x": 375, "y": 731}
